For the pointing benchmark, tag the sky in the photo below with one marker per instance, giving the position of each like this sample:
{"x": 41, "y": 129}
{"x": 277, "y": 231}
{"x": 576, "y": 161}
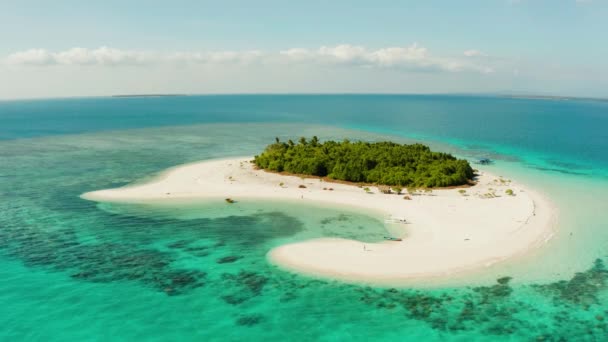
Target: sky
{"x": 93, "y": 48}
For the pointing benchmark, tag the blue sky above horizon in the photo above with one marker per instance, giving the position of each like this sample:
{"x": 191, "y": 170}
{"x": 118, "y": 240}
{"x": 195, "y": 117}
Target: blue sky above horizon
{"x": 76, "y": 48}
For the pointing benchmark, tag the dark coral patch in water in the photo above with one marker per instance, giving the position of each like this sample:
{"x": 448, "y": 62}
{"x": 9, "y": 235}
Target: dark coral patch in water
{"x": 124, "y": 250}
{"x": 493, "y": 311}
{"x": 243, "y": 286}
{"x": 250, "y": 320}
{"x": 228, "y": 259}
{"x": 496, "y": 292}
{"x": 582, "y": 289}
{"x": 288, "y": 297}
{"x": 99, "y": 262}
{"x": 179, "y": 244}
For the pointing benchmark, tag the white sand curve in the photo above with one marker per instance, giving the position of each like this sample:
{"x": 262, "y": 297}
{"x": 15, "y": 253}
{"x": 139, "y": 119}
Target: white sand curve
{"x": 447, "y": 232}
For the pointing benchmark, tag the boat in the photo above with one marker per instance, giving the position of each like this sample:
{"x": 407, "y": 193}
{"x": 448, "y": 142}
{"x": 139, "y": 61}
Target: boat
{"x": 389, "y": 238}
{"x": 395, "y": 220}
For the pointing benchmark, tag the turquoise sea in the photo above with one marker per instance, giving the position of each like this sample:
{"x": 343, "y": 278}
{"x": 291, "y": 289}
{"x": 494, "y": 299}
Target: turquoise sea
{"x": 74, "y": 270}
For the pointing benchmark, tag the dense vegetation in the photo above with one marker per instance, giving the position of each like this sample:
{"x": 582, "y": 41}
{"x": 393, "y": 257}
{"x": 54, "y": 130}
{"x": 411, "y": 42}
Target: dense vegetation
{"x": 385, "y": 163}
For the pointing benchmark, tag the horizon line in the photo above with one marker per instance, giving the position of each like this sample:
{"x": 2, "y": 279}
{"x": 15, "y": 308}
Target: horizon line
{"x": 513, "y": 95}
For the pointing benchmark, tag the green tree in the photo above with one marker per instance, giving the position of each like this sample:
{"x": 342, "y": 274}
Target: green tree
{"x": 412, "y": 166}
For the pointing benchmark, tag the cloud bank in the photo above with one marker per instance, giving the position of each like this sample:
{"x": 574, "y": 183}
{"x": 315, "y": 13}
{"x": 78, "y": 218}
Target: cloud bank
{"x": 411, "y": 58}
{"x": 79, "y": 56}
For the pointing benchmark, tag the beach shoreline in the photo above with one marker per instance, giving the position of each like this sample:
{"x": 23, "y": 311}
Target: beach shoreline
{"x": 448, "y": 231}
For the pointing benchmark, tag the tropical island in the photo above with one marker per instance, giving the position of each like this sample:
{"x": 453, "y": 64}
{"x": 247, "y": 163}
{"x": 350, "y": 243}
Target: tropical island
{"x": 384, "y": 163}
{"x": 435, "y": 233}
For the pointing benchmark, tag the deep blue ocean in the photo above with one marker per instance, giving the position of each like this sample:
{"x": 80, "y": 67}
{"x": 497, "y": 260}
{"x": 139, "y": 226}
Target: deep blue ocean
{"x": 71, "y": 269}
{"x": 553, "y": 130}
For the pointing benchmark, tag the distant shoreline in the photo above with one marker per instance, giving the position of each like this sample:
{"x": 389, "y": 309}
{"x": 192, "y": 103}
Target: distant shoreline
{"x": 499, "y": 95}
{"x": 473, "y": 95}
{"x": 148, "y": 95}
{"x": 555, "y": 98}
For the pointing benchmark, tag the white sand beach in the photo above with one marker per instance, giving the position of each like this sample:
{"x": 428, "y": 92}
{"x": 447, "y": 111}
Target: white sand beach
{"x": 447, "y": 232}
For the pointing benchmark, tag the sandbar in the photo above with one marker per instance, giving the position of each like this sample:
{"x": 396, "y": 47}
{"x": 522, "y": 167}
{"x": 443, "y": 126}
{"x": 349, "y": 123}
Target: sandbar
{"x": 446, "y": 231}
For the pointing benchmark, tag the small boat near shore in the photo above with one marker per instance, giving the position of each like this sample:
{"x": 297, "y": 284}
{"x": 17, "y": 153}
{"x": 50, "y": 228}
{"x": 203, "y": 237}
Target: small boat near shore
{"x": 395, "y": 220}
{"x": 389, "y": 238}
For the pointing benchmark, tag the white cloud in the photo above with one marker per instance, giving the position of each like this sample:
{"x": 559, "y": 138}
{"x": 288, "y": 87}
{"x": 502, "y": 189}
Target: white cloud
{"x": 30, "y": 57}
{"x": 79, "y": 56}
{"x": 397, "y": 55}
{"x": 474, "y": 53}
{"x": 344, "y": 53}
{"x": 100, "y": 56}
{"x": 412, "y": 57}
{"x": 298, "y": 54}
{"x": 216, "y": 57}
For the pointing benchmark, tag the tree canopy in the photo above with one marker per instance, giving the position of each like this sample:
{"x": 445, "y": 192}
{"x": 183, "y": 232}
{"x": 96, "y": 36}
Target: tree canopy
{"x": 385, "y": 163}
